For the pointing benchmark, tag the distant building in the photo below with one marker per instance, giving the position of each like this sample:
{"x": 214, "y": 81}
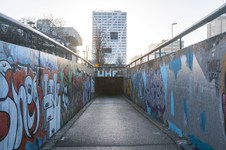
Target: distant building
{"x": 72, "y": 37}
{"x": 67, "y": 36}
{"x": 45, "y": 25}
{"x": 134, "y": 58}
{"x": 175, "y": 46}
{"x": 217, "y": 26}
{"x": 144, "y": 59}
{"x": 114, "y": 25}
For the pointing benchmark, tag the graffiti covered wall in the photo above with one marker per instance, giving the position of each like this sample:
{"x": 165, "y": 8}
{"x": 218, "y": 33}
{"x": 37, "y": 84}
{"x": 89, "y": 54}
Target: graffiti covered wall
{"x": 185, "y": 90}
{"x": 39, "y": 93}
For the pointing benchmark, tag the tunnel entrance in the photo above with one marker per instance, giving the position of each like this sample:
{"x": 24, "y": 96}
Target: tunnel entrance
{"x": 108, "y": 86}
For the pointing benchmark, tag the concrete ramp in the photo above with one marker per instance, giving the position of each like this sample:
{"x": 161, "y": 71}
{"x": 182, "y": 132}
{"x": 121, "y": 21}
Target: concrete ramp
{"x": 113, "y": 123}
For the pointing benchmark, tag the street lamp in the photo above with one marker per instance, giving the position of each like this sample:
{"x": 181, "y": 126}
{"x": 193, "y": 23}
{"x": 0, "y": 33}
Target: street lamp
{"x": 172, "y": 33}
{"x": 31, "y": 23}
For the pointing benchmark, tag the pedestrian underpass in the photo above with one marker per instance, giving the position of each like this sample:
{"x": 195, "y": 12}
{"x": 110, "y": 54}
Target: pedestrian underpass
{"x": 105, "y": 86}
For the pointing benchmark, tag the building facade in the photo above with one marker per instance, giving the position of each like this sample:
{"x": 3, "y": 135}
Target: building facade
{"x": 175, "y": 46}
{"x": 67, "y": 36}
{"x": 216, "y": 26}
{"x": 113, "y": 24}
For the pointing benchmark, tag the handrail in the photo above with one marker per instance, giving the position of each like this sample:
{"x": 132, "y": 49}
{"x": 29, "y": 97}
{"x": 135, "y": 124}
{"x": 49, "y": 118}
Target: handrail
{"x": 219, "y": 11}
{"x": 24, "y": 27}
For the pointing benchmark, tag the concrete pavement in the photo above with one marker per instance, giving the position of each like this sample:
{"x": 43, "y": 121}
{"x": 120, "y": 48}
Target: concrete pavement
{"x": 116, "y": 123}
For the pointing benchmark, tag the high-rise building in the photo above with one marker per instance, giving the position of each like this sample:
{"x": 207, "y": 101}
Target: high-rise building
{"x": 216, "y": 26}
{"x": 114, "y": 25}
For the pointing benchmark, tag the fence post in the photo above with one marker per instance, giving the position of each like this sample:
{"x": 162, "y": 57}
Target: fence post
{"x": 160, "y": 52}
{"x": 27, "y": 39}
{"x": 55, "y": 49}
{"x": 180, "y": 43}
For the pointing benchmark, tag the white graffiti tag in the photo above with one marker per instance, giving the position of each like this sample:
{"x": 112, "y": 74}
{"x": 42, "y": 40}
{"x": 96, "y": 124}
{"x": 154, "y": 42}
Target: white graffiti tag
{"x": 27, "y": 93}
{"x": 51, "y": 104}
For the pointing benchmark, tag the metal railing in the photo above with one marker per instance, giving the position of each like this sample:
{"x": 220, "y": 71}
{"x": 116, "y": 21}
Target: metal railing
{"x": 10, "y": 21}
{"x": 216, "y": 13}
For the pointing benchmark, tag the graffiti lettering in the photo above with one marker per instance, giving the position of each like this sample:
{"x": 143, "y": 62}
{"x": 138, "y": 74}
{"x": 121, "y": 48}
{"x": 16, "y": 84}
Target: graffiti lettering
{"x": 34, "y": 88}
{"x": 214, "y": 66}
{"x": 50, "y": 104}
{"x": 107, "y": 73}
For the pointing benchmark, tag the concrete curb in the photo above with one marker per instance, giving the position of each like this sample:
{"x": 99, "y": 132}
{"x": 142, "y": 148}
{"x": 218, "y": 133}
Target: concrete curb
{"x": 52, "y": 141}
{"x": 162, "y": 127}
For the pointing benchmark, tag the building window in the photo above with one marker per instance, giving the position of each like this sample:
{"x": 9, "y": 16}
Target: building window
{"x": 108, "y": 50}
{"x": 114, "y": 35}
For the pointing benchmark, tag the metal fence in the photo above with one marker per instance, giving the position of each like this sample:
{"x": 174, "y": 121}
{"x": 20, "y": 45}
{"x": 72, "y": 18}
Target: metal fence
{"x": 216, "y": 13}
{"x": 15, "y": 32}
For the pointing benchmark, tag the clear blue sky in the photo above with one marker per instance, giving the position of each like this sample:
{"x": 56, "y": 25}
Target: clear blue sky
{"x": 148, "y": 21}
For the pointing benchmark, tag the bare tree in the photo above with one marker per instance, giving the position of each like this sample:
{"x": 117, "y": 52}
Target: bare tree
{"x": 55, "y": 25}
{"x": 120, "y": 60}
{"x": 99, "y": 42}
{"x": 49, "y": 26}
{"x": 29, "y": 21}
{"x": 58, "y": 22}
{"x": 57, "y": 29}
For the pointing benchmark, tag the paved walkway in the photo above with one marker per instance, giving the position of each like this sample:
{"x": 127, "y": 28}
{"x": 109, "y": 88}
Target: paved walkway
{"x": 115, "y": 123}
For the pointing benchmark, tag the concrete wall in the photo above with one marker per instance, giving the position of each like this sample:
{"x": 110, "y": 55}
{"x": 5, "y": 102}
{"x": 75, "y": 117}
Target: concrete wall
{"x": 185, "y": 90}
{"x": 39, "y": 93}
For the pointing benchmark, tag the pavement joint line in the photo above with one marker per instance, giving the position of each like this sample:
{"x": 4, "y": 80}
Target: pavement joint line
{"x": 118, "y": 145}
{"x": 151, "y": 119}
{"x": 107, "y": 103}
{"x": 52, "y": 141}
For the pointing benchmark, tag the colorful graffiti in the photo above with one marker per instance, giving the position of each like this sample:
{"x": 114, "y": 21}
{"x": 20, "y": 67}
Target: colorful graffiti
{"x": 187, "y": 90}
{"x": 147, "y": 90}
{"x": 128, "y": 86}
{"x": 37, "y": 89}
{"x": 138, "y": 88}
{"x": 155, "y": 94}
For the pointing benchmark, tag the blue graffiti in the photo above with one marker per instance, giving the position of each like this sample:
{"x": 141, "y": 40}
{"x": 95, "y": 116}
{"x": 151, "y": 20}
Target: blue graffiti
{"x": 185, "y": 113}
{"x": 27, "y": 57}
{"x": 48, "y": 62}
{"x": 190, "y": 59}
{"x": 198, "y": 143}
{"x": 144, "y": 75}
{"x": 154, "y": 94}
{"x": 2, "y": 52}
{"x": 148, "y": 110}
{"x": 172, "y": 104}
{"x": 175, "y": 129}
{"x": 164, "y": 73}
{"x": 35, "y": 145}
{"x": 138, "y": 86}
{"x": 175, "y": 65}
{"x": 203, "y": 120}
{"x": 86, "y": 93}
